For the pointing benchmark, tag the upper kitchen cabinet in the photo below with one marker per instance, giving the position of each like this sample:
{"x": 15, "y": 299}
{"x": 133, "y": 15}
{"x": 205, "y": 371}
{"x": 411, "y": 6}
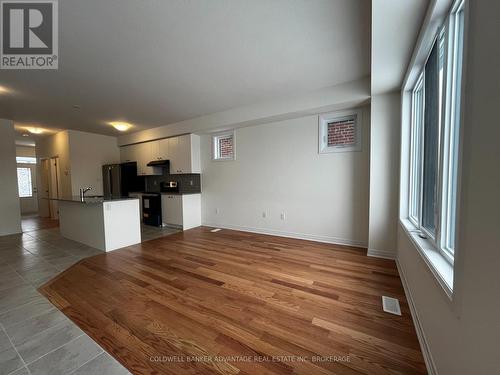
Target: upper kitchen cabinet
{"x": 184, "y": 154}
{"x": 142, "y": 153}
{"x": 128, "y": 153}
{"x": 159, "y": 149}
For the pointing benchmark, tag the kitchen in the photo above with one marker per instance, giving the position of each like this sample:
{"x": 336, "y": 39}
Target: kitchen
{"x": 152, "y": 184}
{"x": 165, "y": 175}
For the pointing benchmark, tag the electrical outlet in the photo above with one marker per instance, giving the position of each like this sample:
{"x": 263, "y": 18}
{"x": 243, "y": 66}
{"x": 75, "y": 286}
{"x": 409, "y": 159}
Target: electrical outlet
{"x": 216, "y": 211}
{"x": 283, "y": 216}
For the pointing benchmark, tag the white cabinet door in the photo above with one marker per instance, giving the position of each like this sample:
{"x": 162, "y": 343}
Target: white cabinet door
{"x": 173, "y": 145}
{"x": 128, "y": 154}
{"x": 159, "y": 149}
{"x": 171, "y": 209}
{"x": 145, "y": 155}
{"x": 163, "y": 151}
{"x": 155, "y": 150}
{"x": 180, "y": 154}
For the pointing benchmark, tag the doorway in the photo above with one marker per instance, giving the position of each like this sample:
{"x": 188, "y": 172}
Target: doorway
{"x": 50, "y": 187}
{"x": 28, "y": 195}
{"x": 44, "y": 203}
{"x": 54, "y": 186}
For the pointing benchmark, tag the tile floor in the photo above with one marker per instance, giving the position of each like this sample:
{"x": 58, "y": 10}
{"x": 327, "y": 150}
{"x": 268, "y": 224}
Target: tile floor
{"x": 35, "y": 337}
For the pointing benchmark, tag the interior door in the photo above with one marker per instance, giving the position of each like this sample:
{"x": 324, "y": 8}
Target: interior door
{"x": 44, "y": 204}
{"x": 54, "y": 186}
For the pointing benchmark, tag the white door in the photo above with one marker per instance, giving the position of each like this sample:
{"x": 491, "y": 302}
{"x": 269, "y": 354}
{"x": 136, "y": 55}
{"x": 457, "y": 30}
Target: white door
{"x": 26, "y": 179}
{"x": 163, "y": 149}
{"x": 54, "y": 186}
{"x": 179, "y": 149}
{"x": 43, "y": 203}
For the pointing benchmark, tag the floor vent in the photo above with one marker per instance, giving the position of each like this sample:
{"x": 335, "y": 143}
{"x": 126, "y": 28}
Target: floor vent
{"x": 215, "y": 230}
{"x": 391, "y": 305}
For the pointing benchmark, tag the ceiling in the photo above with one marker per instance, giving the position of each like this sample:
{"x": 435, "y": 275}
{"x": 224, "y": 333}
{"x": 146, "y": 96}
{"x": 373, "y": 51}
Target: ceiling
{"x": 156, "y": 62}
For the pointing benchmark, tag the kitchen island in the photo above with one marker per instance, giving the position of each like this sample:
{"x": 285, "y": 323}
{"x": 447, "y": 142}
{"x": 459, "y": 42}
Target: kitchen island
{"x": 103, "y": 223}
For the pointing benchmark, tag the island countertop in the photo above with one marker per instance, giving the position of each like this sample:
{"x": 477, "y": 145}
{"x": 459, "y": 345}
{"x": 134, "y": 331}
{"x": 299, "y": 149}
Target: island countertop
{"x": 91, "y": 199}
{"x": 105, "y": 223}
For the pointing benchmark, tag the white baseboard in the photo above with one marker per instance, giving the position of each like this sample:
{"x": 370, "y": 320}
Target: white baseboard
{"x": 381, "y": 254}
{"x": 300, "y": 236}
{"x": 429, "y": 361}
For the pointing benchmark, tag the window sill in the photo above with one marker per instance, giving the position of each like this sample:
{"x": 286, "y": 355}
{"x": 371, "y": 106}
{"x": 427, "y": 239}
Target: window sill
{"x": 437, "y": 263}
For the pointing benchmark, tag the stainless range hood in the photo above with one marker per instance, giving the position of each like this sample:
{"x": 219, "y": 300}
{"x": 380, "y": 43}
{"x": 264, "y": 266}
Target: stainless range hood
{"x": 159, "y": 163}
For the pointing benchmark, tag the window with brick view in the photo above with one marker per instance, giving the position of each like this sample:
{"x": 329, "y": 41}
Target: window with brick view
{"x": 223, "y": 146}
{"x": 341, "y": 133}
{"x": 226, "y": 147}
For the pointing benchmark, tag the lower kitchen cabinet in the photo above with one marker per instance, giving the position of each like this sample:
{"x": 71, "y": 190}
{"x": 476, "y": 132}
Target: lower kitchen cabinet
{"x": 181, "y": 210}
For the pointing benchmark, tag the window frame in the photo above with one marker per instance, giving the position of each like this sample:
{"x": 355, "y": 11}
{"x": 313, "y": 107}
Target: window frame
{"x": 416, "y": 151}
{"x": 215, "y": 146}
{"x": 449, "y": 136}
{"x": 451, "y": 131}
{"x": 325, "y": 119}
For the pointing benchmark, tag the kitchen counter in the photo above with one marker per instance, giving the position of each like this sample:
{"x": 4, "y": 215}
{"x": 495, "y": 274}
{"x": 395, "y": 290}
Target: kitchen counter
{"x": 163, "y": 193}
{"x": 104, "y": 223}
{"x": 90, "y": 199}
{"x": 166, "y": 193}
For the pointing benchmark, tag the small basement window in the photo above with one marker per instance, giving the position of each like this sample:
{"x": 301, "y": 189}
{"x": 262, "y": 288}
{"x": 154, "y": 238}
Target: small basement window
{"x": 223, "y": 146}
{"x": 340, "y": 131}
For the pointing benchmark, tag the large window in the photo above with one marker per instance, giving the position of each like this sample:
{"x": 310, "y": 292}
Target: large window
{"x": 435, "y": 133}
{"x": 24, "y": 182}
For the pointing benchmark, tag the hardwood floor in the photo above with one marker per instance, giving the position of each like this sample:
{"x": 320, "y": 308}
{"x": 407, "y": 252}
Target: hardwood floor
{"x": 239, "y": 303}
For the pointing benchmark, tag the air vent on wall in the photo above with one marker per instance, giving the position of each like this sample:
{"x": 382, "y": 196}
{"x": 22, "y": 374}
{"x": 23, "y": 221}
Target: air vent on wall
{"x": 391, "y": 305}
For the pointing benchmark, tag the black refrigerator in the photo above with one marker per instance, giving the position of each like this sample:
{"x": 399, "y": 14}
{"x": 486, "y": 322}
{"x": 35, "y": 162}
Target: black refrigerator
{"x": 119, "y": 180}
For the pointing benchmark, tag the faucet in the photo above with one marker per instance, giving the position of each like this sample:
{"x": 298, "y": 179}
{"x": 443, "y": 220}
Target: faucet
{"x": 82, "y": 193}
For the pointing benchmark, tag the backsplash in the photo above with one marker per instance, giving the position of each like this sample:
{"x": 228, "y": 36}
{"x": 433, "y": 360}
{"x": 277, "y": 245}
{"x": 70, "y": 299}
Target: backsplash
{"x": 188, "y": 183}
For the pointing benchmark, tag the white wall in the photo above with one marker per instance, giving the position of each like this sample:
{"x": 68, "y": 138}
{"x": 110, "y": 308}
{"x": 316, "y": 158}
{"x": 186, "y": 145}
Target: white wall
{"x": 342, "y": 96}
{"x": 384, "y": 174}
{"x": 88, "y": 153}
{"x": 81, "y": 157}
{"x": 278, "y": 169}
{"x": 56, "y": 145}
{"x": 10, "y": 213}
{"x": 464, "y": 335}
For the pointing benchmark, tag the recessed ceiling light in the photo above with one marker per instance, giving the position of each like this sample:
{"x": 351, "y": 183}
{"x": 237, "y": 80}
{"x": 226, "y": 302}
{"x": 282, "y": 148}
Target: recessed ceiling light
{"x": 26, "y": 135}
{"x": 35, "y": 130}
{"x": 120, "y": 125}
